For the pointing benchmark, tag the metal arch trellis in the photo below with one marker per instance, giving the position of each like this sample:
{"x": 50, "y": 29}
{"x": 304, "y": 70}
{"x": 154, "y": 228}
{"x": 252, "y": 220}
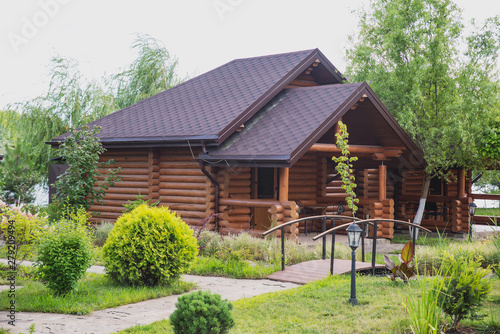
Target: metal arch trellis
{"x": 373, "y": 222}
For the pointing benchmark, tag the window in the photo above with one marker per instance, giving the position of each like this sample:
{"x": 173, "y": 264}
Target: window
{"x": 265, "y": 182}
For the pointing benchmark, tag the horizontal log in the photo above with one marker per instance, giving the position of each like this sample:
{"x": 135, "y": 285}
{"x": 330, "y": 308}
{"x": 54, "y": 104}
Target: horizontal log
{"x": 128, "y": 177}
{"x": 192, "y": 214}
{"x": 177, "y": 157}
{"x": 291, "y": 213}
{"x": 179, "y": 165}
{"x": 118, "y": 196}
{"x": 102, "y": 208}
{"x": 231, "y": 225}
{"x": 183, "y": 192}
{"x": 301, "y": 196}
{"x": 184, "y": 172}
{"x": 277, "y": 217}
{"x": 238, "y": 219}
{"x": 128, "y": 171}
{"x": 127, "y": 184}
{"x": 135, "y": 191}
{"x": 376, "y": 206}
{"x": 189, "y": 207}
{"x": 290, "y": 205}
{"x": 183, "y": 185}
{"x": 241, "y": 196}
{"x": 276, "y": 208}
{"x": 257, "y": 203}
{"x": 107, "y": 214}
{"x": 239, "y": 190}
{"x": 301, "y": 189}
{"x": 388, "y": 209}
{"x": 238, "y": 211}
{"x": 182, "y": 199}
{"x": 182, "y": 178}
{"x": 193, "y": 221}
{"x": 494, "y": 197}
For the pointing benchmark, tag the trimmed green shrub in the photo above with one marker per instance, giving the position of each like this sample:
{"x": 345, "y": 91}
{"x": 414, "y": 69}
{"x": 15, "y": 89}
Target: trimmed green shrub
{"x": 149, "y": 246}
{"x": 464, "y": 288}
{"x": 64, "y": 254}
{"x": 101, "y": 233}
{"x": 202, "y": 312}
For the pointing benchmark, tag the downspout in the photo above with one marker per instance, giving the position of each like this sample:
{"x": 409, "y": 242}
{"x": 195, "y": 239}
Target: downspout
{"x": 216, "y": 185}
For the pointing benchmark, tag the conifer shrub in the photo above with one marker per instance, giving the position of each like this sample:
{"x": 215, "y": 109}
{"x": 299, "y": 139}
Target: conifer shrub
{"x": 65, "y": 253}
{"x": 465, "y": 288}
{"x": 202, "y": 312}
{"x": 149, "y": 246}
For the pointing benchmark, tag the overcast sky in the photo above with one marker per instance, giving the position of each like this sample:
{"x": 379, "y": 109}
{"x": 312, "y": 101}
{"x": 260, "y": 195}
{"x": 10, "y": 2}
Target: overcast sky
{"x": 202, "y": 34}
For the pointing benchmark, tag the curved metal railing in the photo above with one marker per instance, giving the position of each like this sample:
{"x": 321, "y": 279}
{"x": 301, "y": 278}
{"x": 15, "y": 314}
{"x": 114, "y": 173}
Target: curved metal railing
{"x": 373, "y": 222}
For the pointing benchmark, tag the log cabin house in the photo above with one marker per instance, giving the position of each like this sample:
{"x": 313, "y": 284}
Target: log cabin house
{"x": 253, "y": 140}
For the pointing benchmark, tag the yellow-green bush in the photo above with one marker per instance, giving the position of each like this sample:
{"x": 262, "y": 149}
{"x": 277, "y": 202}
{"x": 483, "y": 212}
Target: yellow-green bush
{"x": 149, "y": 246}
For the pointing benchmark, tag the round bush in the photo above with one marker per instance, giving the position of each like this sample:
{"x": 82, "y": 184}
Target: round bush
{"x": 64, "y": 254}
{"x": 202, "y": 312}
{"x": 149, "y": 246}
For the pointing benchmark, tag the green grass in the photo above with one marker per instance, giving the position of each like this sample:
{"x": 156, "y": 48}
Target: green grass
{"x": 234, "y": 268}
{"x": 322, "y": 307}
{"x": 488, "y": 212}
{"x": 423, "y": 240}
{"x": 94, "y": 292}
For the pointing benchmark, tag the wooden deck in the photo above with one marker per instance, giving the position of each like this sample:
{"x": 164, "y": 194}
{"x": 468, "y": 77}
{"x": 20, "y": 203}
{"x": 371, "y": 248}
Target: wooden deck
{"x": 309, "y": 271}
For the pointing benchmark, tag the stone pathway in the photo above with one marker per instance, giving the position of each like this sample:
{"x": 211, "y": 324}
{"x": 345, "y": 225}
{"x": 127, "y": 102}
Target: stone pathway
{"x": 122, "y": 317}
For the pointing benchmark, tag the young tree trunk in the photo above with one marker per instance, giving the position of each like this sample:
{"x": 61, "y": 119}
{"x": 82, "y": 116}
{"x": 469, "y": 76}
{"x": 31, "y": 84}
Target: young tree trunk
{"x": 421, "y": 205}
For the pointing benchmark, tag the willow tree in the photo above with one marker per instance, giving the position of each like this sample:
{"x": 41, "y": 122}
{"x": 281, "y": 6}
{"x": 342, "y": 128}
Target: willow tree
{"x": 72, "y": 101}
{"x": 409, "y": 51}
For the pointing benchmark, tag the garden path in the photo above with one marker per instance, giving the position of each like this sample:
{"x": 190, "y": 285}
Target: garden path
{"x": 122, "y": 317}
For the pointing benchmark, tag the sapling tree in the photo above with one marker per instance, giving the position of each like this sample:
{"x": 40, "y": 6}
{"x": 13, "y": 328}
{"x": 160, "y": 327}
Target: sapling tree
{"x": 78, "y": 187}
{"x": 344, "y": 168}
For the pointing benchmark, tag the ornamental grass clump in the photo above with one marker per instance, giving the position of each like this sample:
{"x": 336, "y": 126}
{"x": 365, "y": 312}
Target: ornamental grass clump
{"x": 202, "y": 312}
{"x": 149, "y": 246}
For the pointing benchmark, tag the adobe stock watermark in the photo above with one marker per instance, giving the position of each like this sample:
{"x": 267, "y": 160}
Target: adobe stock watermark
{"x": 31, "y": 26}
{"x": 222, "y": 7}
{"x": 11, "y": 275}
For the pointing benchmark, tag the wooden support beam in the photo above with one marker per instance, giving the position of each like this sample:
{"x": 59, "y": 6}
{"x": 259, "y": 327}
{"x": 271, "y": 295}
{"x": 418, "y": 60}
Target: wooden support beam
{"x": 359, "y": 149}
{"x": 283, "y": 186}
{"x": 382, "y": 182}
{"x": 461, "y": 183}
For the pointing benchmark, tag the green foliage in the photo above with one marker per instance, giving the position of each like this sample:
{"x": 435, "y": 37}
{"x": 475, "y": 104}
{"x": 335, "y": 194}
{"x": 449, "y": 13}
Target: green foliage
{"x": 22, "y": 235}
{"x": 409, "y": 53}
{"x": 404, "y": 270}
{"x": 424, "y": 309}
{"x": 72, "y": 101}
{"x": 149, "y": 246}
{"x": 65, "y": 253}
{"x": 151, "y": 73}
{"x": 101, "y": 233}
{"x": 139, "y": 200}
{"x": 77, "y": 186}
{"x": 18, "y": 173}
{"x": 464, "y": 288}
{"x": 344, "y": 168}
{"x": 202, "y": 312}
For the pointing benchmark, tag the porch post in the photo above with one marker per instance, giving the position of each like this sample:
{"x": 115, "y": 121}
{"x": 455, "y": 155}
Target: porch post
{"x": 283, "y": 186}
{"x": 461, "y": 183}
{"x": 382, "y": 182}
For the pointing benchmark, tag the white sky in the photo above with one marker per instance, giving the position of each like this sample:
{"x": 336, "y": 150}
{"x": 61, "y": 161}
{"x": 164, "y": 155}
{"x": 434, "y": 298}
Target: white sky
{"x": 202, "y": 34}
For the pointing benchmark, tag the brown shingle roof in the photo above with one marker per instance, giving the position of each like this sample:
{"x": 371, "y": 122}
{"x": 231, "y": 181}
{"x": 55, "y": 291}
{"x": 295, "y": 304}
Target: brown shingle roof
{"x": 295, "y": 118}
{"x": 210, "y": 106}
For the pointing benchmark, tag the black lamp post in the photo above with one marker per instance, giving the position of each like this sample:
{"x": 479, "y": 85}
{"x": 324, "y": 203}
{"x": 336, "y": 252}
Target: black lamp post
{"x": 353, "y": 236}
{"x": 472, "y": 212}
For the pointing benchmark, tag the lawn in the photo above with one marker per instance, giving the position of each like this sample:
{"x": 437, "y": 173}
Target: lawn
{"x": 322, "y": 307}
{"x": 488, "y": 212}
{"x": 94, "y": 292}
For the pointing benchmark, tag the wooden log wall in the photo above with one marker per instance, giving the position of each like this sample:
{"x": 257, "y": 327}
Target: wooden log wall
{"x": 302, "y": 180}
{"x": 382, "y": 209}
{"x": 136, "y": 179}
{"x": 368, "y": 184}
{"x": 183, "y": 187}
{"x": 330, "y": 194}
{"x": 235, "y": 184}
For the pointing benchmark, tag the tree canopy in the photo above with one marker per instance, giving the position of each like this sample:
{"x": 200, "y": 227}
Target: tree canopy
{"x": 441, "y": 85}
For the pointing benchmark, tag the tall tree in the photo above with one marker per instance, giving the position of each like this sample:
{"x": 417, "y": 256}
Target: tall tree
{"x": 409, "y": 53}
{"x": 153, "y": 71}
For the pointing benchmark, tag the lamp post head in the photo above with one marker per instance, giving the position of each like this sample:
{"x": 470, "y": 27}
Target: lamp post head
{"x": 472, "y": 209}
{"x": 353, "y": 235}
